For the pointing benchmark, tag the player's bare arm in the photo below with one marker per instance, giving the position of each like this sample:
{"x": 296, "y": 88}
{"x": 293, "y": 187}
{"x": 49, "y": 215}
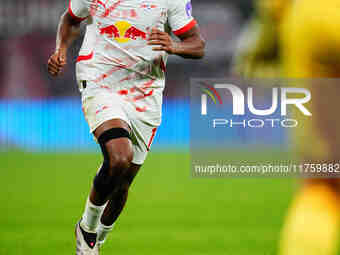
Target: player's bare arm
{"x": 68, "y": 31}
{"x": 191, "y": 44}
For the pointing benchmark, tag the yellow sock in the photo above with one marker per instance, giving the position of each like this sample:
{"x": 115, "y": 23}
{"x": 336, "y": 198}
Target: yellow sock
{"x": 312, "y": 224}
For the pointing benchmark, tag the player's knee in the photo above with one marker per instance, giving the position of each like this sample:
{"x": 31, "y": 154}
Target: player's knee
{"x": 119, "y": 163}
{"x": 117, "y": 150}
{"x": 111, "y": 175}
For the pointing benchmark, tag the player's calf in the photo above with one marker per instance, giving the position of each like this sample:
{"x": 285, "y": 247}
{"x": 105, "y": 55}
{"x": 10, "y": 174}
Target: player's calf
{"x": 116, "y": 204}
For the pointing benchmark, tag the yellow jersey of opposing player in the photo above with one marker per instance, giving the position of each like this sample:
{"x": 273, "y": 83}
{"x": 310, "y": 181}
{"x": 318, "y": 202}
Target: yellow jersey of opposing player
{"x": 310, "y": 42}
{"x": 259, "y": 47}
{"x": 298, "y": 39}
{"x": 311, "y": 39}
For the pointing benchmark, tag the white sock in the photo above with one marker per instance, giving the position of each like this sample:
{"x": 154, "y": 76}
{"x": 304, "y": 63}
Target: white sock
{"x": 103, "y": 231}
{"x": 91, "y": 216}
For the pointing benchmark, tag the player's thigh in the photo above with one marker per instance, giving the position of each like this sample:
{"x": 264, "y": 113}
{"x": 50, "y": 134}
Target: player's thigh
{"x": 109, "y": 124}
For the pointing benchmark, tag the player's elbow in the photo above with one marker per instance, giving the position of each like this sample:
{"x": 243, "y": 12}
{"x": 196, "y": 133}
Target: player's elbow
{"x": 67, "y": 19}
{"x": 201, "y": 47}
{"x": 199, "y": 50}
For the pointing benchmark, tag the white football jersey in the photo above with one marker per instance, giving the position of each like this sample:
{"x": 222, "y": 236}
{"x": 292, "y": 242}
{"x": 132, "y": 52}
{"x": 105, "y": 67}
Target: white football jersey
{"x": 115, "y": 50}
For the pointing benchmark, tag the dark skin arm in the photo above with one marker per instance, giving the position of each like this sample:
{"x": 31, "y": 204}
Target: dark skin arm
{"x": 68, "y": 31}
{"x": 191, "y": 43}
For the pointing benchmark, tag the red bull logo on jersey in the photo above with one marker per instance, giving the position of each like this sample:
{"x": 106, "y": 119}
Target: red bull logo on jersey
{"x": 123, "y": 32}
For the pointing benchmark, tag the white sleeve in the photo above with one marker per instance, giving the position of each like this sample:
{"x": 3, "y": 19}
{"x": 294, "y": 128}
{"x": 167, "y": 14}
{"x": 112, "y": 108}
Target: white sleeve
{"x": 180, "y": 17}
{"x": 79, "y": 9}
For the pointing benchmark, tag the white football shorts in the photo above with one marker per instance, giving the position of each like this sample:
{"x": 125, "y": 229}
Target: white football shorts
{"x": 100, "y": 105}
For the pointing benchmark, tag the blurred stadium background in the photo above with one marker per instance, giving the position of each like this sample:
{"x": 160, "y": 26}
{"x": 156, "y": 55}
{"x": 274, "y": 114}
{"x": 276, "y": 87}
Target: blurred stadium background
{"x": 31, "y": 98}
{"x": 48, "y": 156}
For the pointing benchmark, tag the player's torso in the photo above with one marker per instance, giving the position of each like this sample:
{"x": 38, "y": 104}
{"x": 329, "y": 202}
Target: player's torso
{"x": 123, "y": 25}
{"x": 117, "y": 34}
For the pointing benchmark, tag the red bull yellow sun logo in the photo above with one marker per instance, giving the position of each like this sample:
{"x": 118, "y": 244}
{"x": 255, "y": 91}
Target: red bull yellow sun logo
{"x": 123, "y": 32}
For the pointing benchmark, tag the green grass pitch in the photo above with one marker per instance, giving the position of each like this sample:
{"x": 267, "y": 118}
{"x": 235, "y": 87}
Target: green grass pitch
{"x": 168, "y": 212}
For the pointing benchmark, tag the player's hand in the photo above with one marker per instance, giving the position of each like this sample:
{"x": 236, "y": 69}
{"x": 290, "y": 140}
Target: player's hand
{"x": 56, "y": 62}
{"x": 163, "y": 40}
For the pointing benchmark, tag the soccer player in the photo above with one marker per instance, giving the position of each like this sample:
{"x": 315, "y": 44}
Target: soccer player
{"x": 310, "y": 49}
{"x": 300, "y": 39}
{"x": 121, "y": 74}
